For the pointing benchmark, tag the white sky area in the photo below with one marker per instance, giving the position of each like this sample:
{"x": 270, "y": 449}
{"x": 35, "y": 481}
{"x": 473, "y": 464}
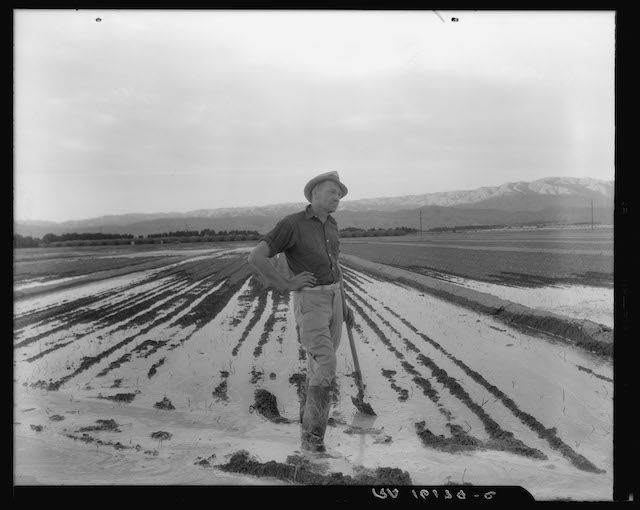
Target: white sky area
{"x": 157, "y": 111}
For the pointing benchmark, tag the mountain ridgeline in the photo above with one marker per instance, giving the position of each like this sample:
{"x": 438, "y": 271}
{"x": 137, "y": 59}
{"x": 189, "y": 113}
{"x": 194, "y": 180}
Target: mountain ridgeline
{"x": 553, "y": 200}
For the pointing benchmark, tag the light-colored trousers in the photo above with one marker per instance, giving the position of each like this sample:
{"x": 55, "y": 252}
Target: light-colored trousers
{"x": 319, "y": 317}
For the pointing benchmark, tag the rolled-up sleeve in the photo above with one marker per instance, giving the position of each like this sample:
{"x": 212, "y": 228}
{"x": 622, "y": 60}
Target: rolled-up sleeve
{"x": 281, "y": 238}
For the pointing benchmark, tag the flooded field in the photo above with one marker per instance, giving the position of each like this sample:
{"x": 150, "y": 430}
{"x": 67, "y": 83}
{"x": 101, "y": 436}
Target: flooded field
{"x": 148, "y": 367}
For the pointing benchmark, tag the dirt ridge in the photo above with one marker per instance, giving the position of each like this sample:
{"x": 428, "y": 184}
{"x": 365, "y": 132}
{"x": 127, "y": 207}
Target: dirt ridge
{"x": 297, "y": 471}
{"x": 584, "y": 333}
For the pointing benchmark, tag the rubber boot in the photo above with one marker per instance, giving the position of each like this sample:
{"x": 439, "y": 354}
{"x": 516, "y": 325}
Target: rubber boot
{"x": 314, "y": 421}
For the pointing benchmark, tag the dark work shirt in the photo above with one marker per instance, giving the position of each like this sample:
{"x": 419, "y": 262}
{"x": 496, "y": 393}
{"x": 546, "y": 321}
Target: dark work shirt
{"x": 308, "y": 244}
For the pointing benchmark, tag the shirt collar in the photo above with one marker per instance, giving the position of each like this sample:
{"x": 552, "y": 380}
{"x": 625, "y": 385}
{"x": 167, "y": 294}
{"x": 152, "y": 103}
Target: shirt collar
{"x": 308, "y": 213}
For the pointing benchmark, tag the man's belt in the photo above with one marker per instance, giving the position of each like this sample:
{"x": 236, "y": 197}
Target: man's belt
{"x": 331, "y": 286}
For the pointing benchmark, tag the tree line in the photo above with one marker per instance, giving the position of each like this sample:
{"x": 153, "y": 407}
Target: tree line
{"x": 205, "y": 235}
{"x": 376, "y": 232}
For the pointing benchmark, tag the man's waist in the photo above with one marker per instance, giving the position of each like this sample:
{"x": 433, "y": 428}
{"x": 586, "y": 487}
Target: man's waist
{"x": 326, "y": 286}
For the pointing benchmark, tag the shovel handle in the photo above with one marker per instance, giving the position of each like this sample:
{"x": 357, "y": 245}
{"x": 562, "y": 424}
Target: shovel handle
{"x": 354, "y": 353}
{"x": 352, "y": 344}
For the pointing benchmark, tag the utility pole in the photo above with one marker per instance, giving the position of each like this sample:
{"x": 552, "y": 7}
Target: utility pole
{"x": 420, "y": 222}
{"x": 592, "y": 215}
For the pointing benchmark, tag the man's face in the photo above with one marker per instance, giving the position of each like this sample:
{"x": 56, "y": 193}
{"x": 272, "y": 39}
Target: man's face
{"x": 328, "y": 196}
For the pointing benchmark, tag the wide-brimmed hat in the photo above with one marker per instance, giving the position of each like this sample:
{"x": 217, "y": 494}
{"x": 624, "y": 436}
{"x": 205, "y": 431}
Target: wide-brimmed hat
{"x": 329, "y": 176}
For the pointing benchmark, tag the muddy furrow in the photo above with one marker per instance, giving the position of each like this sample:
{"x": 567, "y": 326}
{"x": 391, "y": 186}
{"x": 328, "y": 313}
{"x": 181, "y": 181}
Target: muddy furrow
{"x": 548, "y": 434}
{"x": 60, "y": 343}
{"x": 56, "y": 312}
{"x": 197, "y": 270}
{"x": 403, "y": 394}
{"x": 234, "y": 274}
{"x": 278, "y": 297}
{"x": 81, "y": 312}
{"x": 125, "y": 308}
{"x": 259, "y": 292}
{"x": 417, "y": 378}
{"x": 60, "y": 312}
{"x": 149, "y": 347}
{"x": 46, "y": 352}
{"x": 144, "y": 311}
{"x": 117, "y": 311}
{"x": 186, "y": 300}
{"x": 583, "y": 334}
{"x": 222, "y": 297}
{"x": 500, "y": 439}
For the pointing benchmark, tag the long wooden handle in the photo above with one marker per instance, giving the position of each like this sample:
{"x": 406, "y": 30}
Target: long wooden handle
{"x": 355, "y": 358}
{"x": 352, "y": 344}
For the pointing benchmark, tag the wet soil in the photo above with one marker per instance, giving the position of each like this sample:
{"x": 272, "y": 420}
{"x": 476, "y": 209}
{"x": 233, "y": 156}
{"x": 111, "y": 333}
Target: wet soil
{"x": 588, "y": 335}
{"x": 161, "y": 435}
{"x": 205, "y": 461}
{"x": 126, "y": 398}
{"x": 220, "y": 392}
{"x": 589, "y": 371}
{"x": 278, "y": 297}
{"x": 266, "y": 404}
{"x": 259, "y": 293}
{"x": 154, "y": 368}
{"x": 499, "y": 438}
{"x": 403, "y": 394}
{"x": 457, "y": 438}
{"x": 165, "y": 404}
{"x": 87, "y": 438}
{"x": 302, "y": 473}
{"x": 457, "y": 442}
{"x": 104, "y": 425}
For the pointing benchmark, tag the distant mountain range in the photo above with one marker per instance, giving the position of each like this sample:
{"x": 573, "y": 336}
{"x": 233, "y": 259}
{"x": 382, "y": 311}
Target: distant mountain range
{"x": 549, "y": 200}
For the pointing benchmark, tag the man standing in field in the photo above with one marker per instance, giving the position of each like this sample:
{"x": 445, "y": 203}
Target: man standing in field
{"x": 309, "y": 240}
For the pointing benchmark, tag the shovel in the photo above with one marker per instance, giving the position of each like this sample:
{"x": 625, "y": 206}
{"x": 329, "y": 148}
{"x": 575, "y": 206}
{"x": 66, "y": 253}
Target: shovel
{"x": 359, "y": 402}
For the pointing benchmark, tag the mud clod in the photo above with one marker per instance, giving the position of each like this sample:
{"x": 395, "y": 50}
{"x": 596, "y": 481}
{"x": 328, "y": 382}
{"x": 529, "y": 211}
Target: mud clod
{"x": 165, "y": 404}
{"x": 362, "y": 430}
{"x": 383, "y": 439}
{"x": 220, "y": 393}
{"x": 296, "y": 470}
{"x": 459, "y": 440}
{"x": 255, "y": 375}
{"x": 154, "y": 368}
{"x": 105, "y": 425}
{"x": 200, "y": 461}
{"x": 267, "y": 405}
{"x": 161, "y": 435}
{"x": 56, "y": 417}
{"x": 120, "y": 397}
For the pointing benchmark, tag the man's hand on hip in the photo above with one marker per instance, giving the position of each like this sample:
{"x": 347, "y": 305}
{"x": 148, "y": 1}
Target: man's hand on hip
{"x": 304, "y": 279}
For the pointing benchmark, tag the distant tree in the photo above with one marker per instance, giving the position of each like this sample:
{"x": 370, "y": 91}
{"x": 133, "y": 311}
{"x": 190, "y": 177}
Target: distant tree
{"x": 25, "y": 241}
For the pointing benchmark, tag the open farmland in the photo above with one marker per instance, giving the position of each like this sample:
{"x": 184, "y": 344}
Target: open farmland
{"x": 145, "y": 366}
{"x": 520, "y": 257}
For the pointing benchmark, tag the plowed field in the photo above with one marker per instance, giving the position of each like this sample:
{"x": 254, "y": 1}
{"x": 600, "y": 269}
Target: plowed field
{"x": 158, "y": 367}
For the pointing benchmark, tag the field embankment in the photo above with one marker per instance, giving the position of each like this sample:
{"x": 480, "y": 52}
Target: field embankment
{"x": 584, "y": 333}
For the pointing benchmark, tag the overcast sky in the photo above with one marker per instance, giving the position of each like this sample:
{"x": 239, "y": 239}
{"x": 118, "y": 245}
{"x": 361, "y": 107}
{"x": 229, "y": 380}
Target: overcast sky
{"x": 124, "y": 111}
